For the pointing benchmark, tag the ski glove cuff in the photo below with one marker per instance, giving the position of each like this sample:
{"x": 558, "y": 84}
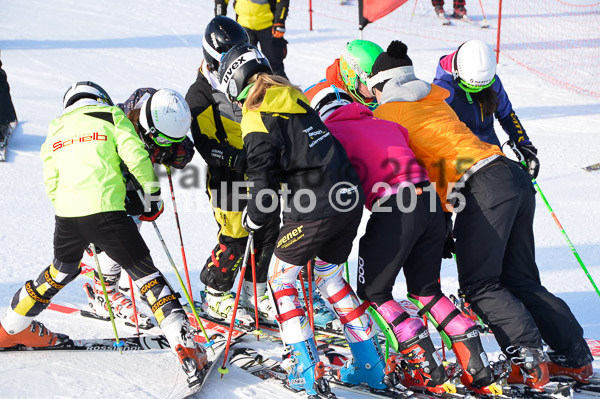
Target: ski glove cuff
{"x": 248, "y": 224}
{"x": 156, "y": 208}
{"x": 278, "y": 30}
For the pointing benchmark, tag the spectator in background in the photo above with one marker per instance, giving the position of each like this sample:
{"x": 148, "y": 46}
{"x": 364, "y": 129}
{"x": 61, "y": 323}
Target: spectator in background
{"x": 7, "y": 110}
{"x": 265, "y": 23}
{"x": 460, "y": 11}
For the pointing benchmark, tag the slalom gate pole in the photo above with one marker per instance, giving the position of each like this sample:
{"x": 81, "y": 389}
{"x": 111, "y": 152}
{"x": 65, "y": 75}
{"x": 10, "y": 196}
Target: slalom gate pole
{"x": 185, "y": 266}
{"x": 562, "y": 230}
{"x": 117, "y": 344}
{"x": 185, "y": 291}
{"x": 223, "y": 369}
{"x": 137, "y": 324}
{"x": 253, "y": 263}
{"x": 310, "y": 295}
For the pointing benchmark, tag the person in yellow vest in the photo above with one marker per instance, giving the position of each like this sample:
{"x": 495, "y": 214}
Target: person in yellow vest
{"x": 264, "y": 20}
{"x": 494, "y": 201}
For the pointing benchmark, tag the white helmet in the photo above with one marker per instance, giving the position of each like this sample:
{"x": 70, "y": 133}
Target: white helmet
{"x": 475, "y": 63}
{"x": 85, "y": 89}
{"x": 166, "y": 117}
{"x": 328, "y": 99}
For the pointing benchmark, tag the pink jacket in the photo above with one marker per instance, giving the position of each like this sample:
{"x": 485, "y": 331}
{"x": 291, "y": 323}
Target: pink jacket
{"x": 377, "y": 149}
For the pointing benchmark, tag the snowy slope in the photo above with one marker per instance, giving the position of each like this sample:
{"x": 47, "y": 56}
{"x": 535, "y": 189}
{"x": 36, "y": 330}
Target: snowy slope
{"x": 157, "y": 43}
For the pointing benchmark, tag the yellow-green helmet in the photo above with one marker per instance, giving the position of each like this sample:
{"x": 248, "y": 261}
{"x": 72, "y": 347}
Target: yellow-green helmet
{"x": 356, "y": 62}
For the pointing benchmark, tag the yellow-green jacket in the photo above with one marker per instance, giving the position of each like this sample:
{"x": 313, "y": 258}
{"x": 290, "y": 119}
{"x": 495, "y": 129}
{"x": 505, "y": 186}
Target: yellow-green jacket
{"x": 82, "y": 156}
{"x": 256, "y": 14}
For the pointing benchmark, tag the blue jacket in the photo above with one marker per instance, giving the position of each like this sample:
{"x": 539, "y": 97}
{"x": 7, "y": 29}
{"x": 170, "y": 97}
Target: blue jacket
{"x": 470, "y": 112}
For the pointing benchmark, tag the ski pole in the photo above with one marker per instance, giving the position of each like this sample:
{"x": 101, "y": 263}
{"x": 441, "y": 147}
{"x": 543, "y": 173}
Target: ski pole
{"x": 223, "y": 369}
{"x": 347, "y": 272}
{"x": 117, "y": 344}
{"x": 185, "y": 291}
{"x": 185, "y": 266}
{"x": 562, "y": 230}
{"x": 483, "y": 13}
{"x": 253, "y": 262}
{"x": 310, "y": 296}
{"x": 308, "y": 309}
{"x": 137, "y": 324}
{"x": 413, "y": 12}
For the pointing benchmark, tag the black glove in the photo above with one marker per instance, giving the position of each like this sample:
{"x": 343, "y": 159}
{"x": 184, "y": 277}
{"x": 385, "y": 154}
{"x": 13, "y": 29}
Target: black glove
{"x": 529, "y": 152}
{"x": 238, "y": 162}
{"x": 156, "y": 208}
{"x": 449, "y": 247}
{"x": 220, "y": 8}
{"x": 248, "y": 224}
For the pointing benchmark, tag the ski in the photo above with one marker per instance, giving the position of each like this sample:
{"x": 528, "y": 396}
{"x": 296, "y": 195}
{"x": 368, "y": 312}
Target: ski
{"x": 444, "y": 19}
{"x": 103, "y": 344}
{"x": 210, "y": 327}
{"x": 4, "y": 137}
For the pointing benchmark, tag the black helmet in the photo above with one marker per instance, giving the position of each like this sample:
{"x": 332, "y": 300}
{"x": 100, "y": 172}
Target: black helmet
{"x": 221, "y": 34}
{"x": 238, "y": 65}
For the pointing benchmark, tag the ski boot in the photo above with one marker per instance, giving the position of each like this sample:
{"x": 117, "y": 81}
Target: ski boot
{"x": 22, "y": 330}
{"x": 266, "y": 311}
{"x": 305, "y": 372}
{"x": 219, "y": 304}
{"x": 324, "y": 317}
{"x": 122, "y": 307}
{"x": 191, "y": 355}
{"x": 439, "y": 11}
{"x": 366, "y": 366}
{"x": 560, "y": 366}
{"x": 477, "y": 373}
{"x": 529, "y": 367}
{"x": 460, "y": 13}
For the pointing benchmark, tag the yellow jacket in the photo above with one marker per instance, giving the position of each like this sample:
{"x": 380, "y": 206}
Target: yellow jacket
{"x": 256, "y": 14}
{"x": 441, "y": 142}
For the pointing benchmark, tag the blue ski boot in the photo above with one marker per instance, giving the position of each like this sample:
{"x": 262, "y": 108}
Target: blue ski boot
{"x": 367, "y": 365}
{"x": 325, "y": 318}
{"x": 305, "y": 371}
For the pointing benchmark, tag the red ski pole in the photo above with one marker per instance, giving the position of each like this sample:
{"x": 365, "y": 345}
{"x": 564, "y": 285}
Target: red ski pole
{"x": 310, "y": 296}
{"x": 185, "y": 266}
{"x": 308, "y": 308}
{"x": 253, "y": 262}
{"x": 223, "y": 369}
{"x": 137, "y": 325}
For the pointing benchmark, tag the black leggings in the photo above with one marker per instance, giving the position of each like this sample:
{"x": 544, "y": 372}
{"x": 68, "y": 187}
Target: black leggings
{"x": 395, "y": 240}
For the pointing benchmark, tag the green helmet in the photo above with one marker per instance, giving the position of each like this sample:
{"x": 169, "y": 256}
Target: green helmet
{"x": 357, "y": 61}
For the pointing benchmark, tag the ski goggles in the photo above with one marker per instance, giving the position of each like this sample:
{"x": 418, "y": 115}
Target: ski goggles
{"x": 164, "y": 141}
{"x": 244, "y": 94}
{"x": 469, "y": 88}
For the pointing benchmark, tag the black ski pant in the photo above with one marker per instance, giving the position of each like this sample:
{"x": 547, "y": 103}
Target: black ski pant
{"x": 495, "y": 252}
{"x": 273, "y": 48}
{"x": 397, "y": 240}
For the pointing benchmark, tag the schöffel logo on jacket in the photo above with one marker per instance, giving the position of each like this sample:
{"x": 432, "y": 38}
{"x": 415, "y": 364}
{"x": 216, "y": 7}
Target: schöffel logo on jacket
{"x": 80, "y": 138}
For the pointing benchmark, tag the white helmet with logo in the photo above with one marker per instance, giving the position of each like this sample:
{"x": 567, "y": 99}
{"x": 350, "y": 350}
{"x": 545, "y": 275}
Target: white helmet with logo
{"x": 475, "y": 63}
{"x": 166, "y": 117}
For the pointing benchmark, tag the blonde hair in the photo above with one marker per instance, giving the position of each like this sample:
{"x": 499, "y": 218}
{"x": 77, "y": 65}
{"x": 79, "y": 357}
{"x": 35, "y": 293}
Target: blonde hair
{"x": 262, "y": 82}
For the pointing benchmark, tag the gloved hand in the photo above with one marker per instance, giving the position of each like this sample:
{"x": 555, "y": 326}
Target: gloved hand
{"x": 530, "y": 154}
{"x": 278, "y": 30}
{"x": 156, "y": 208}
{"x": 220, "y": 8}
{"x": 449, "y": 246}
{"x": 248, "y": 224}
{"x": 239, "y": 162}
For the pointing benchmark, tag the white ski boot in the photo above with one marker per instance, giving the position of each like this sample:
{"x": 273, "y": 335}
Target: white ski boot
{"x": 219, "y": 305}
{"x": 122, "y": 306}
{"x": 266, "y": 310}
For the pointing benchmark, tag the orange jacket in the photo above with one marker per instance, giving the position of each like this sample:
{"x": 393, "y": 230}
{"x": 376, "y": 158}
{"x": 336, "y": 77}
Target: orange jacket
{"x": 441, "y": 142}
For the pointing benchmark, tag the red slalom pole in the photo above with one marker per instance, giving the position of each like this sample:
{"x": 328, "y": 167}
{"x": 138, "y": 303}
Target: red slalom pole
{"x": 223, "y": 370}
{"x": 185, "y": 266}
{"x": 137, "y": 325}
{"x": 253, "y": 263}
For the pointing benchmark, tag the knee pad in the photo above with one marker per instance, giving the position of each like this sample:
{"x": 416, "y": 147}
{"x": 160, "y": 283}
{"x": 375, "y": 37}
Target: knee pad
{"x": 221, "y": 267}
